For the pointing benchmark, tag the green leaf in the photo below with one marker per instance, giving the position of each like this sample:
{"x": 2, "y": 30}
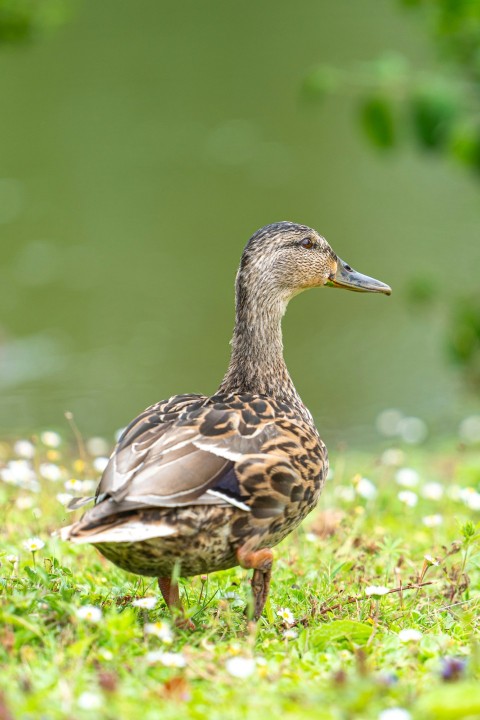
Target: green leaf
{"x": 340, "y": 631}
{"x": 433, "y": 110}
{"x": 32, "y": 574}
{"x": 269, "y": 611}
{"x": 377, "y": 120}
{"x": 21, "y": 622}
{"x": 465, "y": 144}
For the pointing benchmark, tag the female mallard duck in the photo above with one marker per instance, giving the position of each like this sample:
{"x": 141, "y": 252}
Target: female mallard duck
{"x": 198, "y": 484}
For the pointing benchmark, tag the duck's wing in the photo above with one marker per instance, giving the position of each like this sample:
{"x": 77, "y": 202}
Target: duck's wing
{"x": 237, "y": 453}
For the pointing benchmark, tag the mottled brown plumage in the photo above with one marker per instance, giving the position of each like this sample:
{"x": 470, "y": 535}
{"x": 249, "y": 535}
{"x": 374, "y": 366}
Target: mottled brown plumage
{"x": 198, "y": 484}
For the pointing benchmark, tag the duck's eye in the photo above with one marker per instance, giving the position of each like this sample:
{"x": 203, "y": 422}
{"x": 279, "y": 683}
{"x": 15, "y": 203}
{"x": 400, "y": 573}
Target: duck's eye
{"x": 307, "y": 243}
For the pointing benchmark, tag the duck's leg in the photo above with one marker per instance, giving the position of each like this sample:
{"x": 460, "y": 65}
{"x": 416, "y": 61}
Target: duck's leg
{"x": 171, "y": 595}
{"x": 260, "y": 561}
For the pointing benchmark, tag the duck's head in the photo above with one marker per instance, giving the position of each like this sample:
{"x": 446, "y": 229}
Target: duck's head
{"x": 286, "y": 258}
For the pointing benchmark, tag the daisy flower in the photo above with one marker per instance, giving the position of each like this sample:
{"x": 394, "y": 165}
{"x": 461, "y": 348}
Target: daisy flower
{"x": 432, "y": 491}
{"x": 33, "y": 544}
{"x": 98, "y": 446}
{"x": 24, "y": 449}
{"x": 365, "y": 488}
{"x": 286, "y": 615}
{"x": 407, "y": 477}
{"x": 90, "y": 613}
{"x": 147, "y": 603}
{"x": 395, "y": 714}
{"x": 410, "y": 635}
{"x": 408, "y": 497}
{"x": 73, "y": 485}
{"x": 89, "y": 701}
{"x": 376, "y": 591}
{"x": 64, "y": 498}
{"x": 161, "y": 630}
{"x": 51, "y": 439}
{"x": 100, "y": 463}
{"x": 240, "y": 667}
{"x": 432, "y": 520}
{"x": 50, "y": 471}
{"x": 169, "y": 659}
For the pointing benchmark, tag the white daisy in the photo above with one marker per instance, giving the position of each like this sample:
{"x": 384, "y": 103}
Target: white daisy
{"x": 73, "y": 485}
{"x": 90, "y": 613}
{"x": 50, "y": 471}
{"x": 21, "y": 474}
{"x": 365, "y": 488}
{"x": 410, "y": 635}
{"x": 100, "y": 463}
{"x": 240, "y": 667}
{"x": 64, "y": 498}
{"x": 33, "y": 544}
{"x": 147, "y": 603}
{"x": 395, "y": 714}
{"x": 89, "y": 701}
{"x": 432, "y": 491}
{"x": 408, "y": 497}
{"x": 51, "y": 439}
{"x": 471, "y": 498}
{"x": 88, "y": 486}
{"x": 169, "y": 659}
{"x": 24, "y": 449}
{"x": 97, "y": 446}
{"x": 407, "y": 477}
{"x": 376, "y": 591}
{"x": 161, "y": 630}
{"x": 286, "y": 615}
{"x": 432, "y": 520}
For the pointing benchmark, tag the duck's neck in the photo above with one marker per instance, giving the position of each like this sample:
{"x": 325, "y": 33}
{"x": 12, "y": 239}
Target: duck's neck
{"x": 256, "y": 362}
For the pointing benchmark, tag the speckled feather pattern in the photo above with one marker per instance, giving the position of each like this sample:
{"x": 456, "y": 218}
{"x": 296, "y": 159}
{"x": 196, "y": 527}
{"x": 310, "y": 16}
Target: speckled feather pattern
{"x": 279, "y": 481}
{"x": 194, "y": 478}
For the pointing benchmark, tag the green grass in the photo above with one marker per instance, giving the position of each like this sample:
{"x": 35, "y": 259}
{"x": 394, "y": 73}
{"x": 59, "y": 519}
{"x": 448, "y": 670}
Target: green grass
{"x": 343, "y": 655}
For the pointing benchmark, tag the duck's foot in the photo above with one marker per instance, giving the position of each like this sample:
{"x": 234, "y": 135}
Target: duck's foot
{"x": 260, "y": 561}
{"x": 171, "y": 595}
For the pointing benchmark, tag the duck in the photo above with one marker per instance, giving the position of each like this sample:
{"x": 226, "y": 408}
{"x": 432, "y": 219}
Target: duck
{"x": 202, "y": 483}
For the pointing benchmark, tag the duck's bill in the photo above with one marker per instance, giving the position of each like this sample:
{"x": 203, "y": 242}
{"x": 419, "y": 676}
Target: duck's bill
{"x": 349, "y": 279}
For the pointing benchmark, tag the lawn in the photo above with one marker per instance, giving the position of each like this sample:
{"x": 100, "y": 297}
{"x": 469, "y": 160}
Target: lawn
{"x": 373, "y": 611}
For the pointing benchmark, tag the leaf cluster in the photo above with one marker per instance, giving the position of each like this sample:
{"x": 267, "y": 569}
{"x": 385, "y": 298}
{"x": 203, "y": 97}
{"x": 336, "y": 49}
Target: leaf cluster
{"x": 437, "y": 111}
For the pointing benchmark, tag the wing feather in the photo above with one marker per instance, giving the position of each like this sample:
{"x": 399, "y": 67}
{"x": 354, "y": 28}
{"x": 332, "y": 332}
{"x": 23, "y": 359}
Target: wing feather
{"x": 199, "y": 452}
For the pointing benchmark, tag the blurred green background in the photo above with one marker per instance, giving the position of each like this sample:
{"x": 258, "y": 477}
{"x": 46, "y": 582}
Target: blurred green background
{"x": 142, "y": 143}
